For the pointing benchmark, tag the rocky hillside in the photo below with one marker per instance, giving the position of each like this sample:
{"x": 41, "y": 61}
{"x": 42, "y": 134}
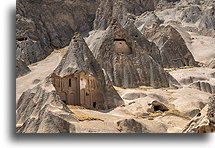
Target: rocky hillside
{"x": 46, "y": 25}
{"x": 154, "y": 61}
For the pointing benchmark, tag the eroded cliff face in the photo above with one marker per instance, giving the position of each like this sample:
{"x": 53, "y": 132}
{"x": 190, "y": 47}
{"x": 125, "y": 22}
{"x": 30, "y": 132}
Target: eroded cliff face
{"x": 48, "y": 24}
{"x": 120, "y": 10}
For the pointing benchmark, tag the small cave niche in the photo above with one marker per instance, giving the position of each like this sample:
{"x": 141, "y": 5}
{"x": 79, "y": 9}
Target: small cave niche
{"x": 21, "y": 38}
{"x": 121, "y": 46}
{"x": 156, "y": 106}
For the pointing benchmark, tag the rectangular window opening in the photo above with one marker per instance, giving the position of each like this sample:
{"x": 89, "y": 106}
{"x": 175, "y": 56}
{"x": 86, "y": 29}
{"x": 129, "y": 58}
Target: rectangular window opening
{"x": 70, "y": 82}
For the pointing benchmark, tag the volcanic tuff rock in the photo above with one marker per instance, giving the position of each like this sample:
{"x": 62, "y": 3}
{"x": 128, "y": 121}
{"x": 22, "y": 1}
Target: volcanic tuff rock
{"x": 131, "y": 126}
{"x": 41, "y": 111}
{"x": 149, "y": 47}
{"x": 203, "y": 86}
{"x": 125, "y": 61}
{"x": 204, "y": 122}
{"x": 21, "y": 68}
{"x": 173, "y": 49}
{"x": 146, "y": 20}
{"x": 191, "y": 14}
{"x": 51, "y": 24}
{"x": 79, "y": 59}
{"x": 120, "y": 10}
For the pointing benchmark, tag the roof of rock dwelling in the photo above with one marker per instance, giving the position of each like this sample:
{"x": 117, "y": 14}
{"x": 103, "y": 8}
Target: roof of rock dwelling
{"x": 79, "y": 59}
{"x": 133, "y": 70}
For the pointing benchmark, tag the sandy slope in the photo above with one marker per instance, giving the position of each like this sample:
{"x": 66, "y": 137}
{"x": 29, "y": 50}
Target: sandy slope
{"x": 39, "y": 71}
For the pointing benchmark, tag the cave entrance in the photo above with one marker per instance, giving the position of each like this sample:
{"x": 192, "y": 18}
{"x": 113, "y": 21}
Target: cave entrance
{"x": 160, "y": 108}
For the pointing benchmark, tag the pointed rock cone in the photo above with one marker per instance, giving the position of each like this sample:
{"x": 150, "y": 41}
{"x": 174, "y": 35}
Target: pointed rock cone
{"x": 79, "y": 79}
{"x": 126, "y": 63}
{"x": 149, "y": 47}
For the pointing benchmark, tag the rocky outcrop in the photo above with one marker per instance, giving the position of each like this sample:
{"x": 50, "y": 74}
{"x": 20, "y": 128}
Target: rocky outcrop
{"x": 125, "y": 61}
{"x": 173, "y": 49}
{"x": 149, "y": 47}
{"x": 80, "y": 60}
{"x": 131, "y": 126}
{"x": 146, "y": 20}
{"x": 203, "y": 86}
{"x": 120, "y": 10}
{"x": 204, "y": 122}
{"x": 21, "y": 68}
{"x": 208, "y": 18}
{"x": 41, "y": 111}
{"x": 191, "y": 14}
{"x": 51, "y": 24}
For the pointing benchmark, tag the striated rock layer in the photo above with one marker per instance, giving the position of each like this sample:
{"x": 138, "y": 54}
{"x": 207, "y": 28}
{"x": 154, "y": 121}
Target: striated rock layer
{"x": 120, "y": 10}
{"x": 173, "y": 49}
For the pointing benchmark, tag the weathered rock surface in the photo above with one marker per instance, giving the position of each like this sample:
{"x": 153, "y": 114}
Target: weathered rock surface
{"x": 173, "y": 49}
{"x": 132, "y": 96}
{"x": 41, "y": 111}
{"x": 131, "y": 126}
{"x": 21, "y": 68}
{"x": 211, "y": 64}
{"x": 155, "y": 106}
{"x": 146, "y": 20}
{"x": 79, "y": 59}
{"x": 208, "y": 18}
{"x": 191, "y": 14}
{"x": 203, "y": 86}
{"x": 125, "y": 61}
{"x": 51, "y": 24}
{"x": 204, "y": 122}
{"x": 149, "y": 47}
{"x": 121, "y": 10}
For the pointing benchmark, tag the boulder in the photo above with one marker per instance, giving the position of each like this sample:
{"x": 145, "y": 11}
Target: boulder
{"x": 131, "y": 126}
